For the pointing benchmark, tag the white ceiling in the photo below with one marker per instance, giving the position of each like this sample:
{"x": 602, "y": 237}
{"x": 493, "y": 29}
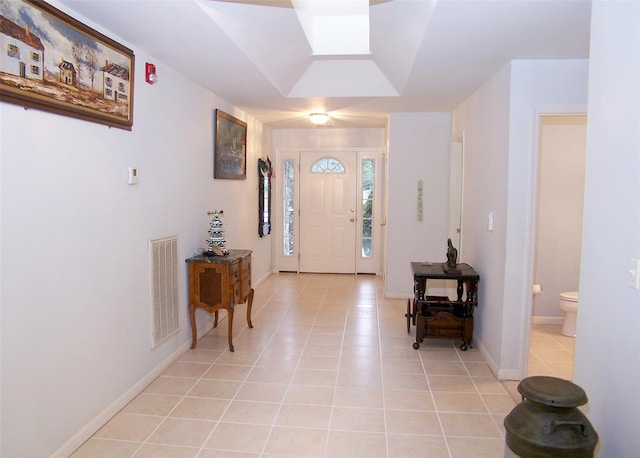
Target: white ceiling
{"x": 426, "y": 55}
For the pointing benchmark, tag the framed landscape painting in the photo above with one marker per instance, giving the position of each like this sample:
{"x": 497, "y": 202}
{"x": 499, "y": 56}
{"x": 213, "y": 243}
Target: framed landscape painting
{"x": 230, "y": 150}
{"x": 52, "y": 62}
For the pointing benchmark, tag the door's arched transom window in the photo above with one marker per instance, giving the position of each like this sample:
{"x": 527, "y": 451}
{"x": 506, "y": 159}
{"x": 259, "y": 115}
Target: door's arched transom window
{"x": 327, "y": 165}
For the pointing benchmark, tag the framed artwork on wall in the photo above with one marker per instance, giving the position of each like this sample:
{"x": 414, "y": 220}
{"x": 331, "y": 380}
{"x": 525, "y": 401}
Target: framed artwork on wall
{"x": 230, "y": 151}
{"x": 52, "y": 62}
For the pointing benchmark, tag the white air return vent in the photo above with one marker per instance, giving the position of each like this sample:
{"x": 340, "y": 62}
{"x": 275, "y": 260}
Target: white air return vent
{"x": 163, "y": 257}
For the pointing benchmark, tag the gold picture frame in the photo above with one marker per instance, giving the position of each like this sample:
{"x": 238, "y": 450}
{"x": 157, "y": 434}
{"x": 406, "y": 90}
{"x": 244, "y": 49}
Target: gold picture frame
{"x": 230, "y": 151}
{"x": 52, "y": 62}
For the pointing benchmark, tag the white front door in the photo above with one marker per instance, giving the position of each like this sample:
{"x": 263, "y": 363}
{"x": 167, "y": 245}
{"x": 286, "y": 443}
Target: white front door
{"x": 328, "y": 212}
{"x": 313, "y": 237}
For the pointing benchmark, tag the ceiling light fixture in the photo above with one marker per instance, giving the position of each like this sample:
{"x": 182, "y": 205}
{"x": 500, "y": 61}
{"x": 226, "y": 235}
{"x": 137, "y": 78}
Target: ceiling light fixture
{"x": 319, "y": 118}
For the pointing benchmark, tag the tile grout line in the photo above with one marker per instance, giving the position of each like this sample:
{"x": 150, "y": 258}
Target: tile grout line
{"x": 435, "y": 406}
{"x": 230, "y": 401}
{"x": 335, "y": 385}
{"x": 384, "y": 404}
{"x": 484, "y": 402}
{"x": 306, "y": 343}
{"x": 165, "y": 417}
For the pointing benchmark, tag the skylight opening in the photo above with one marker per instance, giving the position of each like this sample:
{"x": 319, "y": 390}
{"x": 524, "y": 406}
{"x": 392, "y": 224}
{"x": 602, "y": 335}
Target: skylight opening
{"x": 335, "y": 27}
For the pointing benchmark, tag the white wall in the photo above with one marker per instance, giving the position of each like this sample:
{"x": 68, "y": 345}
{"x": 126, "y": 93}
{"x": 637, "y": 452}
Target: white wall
{"x": 484, "y": 118}
{"x": 327, "y": 138}
{"x": 499, "y": 125}
{"x": 75, "y": 315}
{"x": 607, "y": 356}
{"x": 418, "y": 150}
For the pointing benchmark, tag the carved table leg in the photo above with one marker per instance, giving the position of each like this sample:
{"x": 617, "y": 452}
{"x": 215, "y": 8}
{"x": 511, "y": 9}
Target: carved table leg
{"x": 194, "y": 331}
{"x": 230, "y": 329}
{"x": 460, "y": 289}
{"x": 249, "y": 305}
{"x": 408, "y": 316}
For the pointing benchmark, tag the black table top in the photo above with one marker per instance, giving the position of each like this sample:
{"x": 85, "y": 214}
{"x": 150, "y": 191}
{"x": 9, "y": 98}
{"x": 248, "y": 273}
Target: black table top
{"x": 436, "y": 270}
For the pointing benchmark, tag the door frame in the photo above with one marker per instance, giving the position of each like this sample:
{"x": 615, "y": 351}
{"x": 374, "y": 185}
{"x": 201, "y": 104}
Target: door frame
{"x": 456, "y": 191}
{"x": 531, "y": 233}
{"x": 291, "y": 263}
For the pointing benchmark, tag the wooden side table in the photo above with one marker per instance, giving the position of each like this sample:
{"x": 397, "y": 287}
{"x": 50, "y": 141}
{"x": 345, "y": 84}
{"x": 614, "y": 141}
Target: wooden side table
{"x": 219, "y": 282}
{"x": 439, "y": 316}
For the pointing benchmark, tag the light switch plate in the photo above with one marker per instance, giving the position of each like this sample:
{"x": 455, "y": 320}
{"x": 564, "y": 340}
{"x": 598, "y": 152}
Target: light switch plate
{"x": 634, "y": 273}
{"x": 133, "y": 176}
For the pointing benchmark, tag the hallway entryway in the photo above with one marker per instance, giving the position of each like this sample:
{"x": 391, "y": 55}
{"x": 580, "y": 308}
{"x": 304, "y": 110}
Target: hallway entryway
{"x": 329, "y": 214}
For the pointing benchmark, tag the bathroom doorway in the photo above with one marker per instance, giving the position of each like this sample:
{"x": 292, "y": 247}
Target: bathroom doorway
{"x": 558, "y": 239}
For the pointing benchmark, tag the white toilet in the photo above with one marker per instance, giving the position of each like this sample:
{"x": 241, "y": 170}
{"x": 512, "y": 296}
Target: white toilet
{"x": 568, "y": 303}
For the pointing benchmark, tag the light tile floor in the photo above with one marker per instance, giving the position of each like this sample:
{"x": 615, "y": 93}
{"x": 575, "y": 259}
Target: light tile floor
{"x": 327, "y": 371}
{"x": 550, "y": 353}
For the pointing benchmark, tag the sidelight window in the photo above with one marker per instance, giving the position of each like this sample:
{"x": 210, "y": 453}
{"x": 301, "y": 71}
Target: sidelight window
{"x": 367, "y": 206}
{"x": 288, "y": 213}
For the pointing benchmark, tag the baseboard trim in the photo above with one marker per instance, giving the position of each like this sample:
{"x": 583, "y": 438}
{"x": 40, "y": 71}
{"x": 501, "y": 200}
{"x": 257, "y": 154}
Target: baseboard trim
{"x": 509, "y": 374}
{"x": 547, "y": 319}
{"x": 108, "y": 413}
{"x": 103, "y": 417}
{"x": 261, "y": 280}
{"x": 501, "y": 374}
{"x": 392, "y": 295}
{"x": 487, "y": 357}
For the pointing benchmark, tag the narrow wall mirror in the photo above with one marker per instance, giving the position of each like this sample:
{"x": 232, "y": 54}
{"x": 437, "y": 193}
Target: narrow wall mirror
{"x": 264, "y": 197}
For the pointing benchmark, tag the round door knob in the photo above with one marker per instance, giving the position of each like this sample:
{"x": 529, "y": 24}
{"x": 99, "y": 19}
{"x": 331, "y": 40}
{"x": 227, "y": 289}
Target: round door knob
{"x": 352, "y": 219}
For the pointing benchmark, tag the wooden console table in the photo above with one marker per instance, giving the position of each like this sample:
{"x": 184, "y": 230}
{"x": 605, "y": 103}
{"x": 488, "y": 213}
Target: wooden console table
{"x": 220, "y": 282}
{"x": 438, "y": 316}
